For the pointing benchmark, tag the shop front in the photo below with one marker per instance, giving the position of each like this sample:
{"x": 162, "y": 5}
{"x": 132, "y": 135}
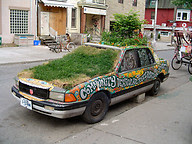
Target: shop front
{"x": 52, "y": 17}
{"x": 92, "y": 19}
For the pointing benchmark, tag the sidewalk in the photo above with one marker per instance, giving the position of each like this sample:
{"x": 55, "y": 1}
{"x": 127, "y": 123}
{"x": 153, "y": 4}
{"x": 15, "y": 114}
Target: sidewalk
{"x": 12, "y": 55}
{"x": 166, "y": 119}
{"x": 162, "y": 46}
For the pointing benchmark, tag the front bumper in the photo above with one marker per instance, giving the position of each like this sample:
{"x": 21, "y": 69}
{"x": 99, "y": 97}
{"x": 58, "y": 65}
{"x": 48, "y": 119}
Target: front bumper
{"x": 54, "y": 109}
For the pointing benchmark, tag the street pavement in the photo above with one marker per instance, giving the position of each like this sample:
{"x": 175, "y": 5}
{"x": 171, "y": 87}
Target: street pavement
{"x": 166, "y": 119}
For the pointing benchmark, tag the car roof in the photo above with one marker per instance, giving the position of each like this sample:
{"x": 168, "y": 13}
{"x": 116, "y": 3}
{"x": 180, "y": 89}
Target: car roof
{"x": 115, "y": 47}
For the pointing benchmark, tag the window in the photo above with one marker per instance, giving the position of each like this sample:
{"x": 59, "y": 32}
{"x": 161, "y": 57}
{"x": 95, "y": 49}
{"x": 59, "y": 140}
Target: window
{"x": 152, "y": 15}
{"x": 164, "y": 33}
{"x": 111, "y": 25}
{"x": 73, "y": 19}
{"x": 97, "y": 1}
{"x": 120, "y": 1}
{"x": 183, "y": 15}
{"x": 152, "y": 3}
{"x": 134, "y": 2}
{"x": 18, "y": 21}
{"x": 130, "y": 61}
{"x": 146, "y": 57}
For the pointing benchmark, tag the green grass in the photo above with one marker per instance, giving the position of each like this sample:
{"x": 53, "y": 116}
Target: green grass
{"x": 82, "y": 64}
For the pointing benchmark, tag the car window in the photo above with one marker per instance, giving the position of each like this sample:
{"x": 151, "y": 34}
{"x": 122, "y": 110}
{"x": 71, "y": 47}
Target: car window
{"x": 146, "y": 58}
{"x": 130, "y": 61}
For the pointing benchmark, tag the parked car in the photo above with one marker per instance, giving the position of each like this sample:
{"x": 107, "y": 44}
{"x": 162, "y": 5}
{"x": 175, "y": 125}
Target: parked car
{"x": 138, "y": 71}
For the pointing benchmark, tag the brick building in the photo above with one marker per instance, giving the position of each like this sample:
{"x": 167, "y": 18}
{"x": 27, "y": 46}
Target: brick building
{"x": 123, "y": 6}
{"x": 58, "y": 17}
{"x": 169, "y": 18}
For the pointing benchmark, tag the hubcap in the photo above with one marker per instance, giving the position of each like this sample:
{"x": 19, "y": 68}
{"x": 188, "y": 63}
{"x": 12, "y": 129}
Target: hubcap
{"x": 97, "y": 107}
{"x": 157, "y": 86}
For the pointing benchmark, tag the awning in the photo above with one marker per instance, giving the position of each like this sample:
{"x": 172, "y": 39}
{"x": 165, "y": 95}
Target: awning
{"x": 57, "y": 4}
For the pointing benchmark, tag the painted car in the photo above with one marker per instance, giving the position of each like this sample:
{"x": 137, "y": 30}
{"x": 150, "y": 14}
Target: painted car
{"x": 138, "y": 71}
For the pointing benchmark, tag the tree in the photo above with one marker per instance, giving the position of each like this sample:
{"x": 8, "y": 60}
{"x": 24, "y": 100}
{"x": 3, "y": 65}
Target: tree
{"x": 185, "y": 3}
{"x": 125, "y": 25}
{"x": 125, "y": 30}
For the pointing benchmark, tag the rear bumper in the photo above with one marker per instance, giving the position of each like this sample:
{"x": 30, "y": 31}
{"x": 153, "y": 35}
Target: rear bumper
{"x": 54, "y": 109}
{"x": 166, "y": 77}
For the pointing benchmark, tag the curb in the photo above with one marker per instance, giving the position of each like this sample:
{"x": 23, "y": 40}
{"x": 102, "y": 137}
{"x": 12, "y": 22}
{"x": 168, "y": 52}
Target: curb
{"x": 26, "y": 62}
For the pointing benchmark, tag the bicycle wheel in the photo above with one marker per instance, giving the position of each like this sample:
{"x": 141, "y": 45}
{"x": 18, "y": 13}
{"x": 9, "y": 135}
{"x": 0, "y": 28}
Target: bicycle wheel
{"x": 190, "y": 67}
{"x": 70, "y": 45}
{"x": 176, "y": 62}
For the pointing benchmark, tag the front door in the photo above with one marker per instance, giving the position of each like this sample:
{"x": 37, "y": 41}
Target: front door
{"x": 44, "y": 23}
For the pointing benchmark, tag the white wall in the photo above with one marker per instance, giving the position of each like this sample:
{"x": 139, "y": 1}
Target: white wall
{"x": 69, "y": 15}
{"x": 7, "y": 37}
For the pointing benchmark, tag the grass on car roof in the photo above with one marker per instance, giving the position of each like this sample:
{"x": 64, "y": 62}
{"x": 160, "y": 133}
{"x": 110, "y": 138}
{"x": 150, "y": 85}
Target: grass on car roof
{"x": 76, "y": 67}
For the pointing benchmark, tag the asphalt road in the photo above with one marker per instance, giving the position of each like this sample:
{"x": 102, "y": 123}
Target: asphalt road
{"x": 19, "y": 125}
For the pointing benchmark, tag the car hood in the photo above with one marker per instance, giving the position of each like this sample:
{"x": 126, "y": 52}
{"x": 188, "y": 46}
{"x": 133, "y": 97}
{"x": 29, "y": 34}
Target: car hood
{"x": 40, "y": 84}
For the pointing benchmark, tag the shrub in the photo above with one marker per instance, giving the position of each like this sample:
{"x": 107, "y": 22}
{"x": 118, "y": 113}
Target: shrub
{"x": 123, "y": 33}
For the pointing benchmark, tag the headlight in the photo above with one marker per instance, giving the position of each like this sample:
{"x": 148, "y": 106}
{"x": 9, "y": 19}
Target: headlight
{"x": 56, "y": 96}
{"x": 16, "y": 82}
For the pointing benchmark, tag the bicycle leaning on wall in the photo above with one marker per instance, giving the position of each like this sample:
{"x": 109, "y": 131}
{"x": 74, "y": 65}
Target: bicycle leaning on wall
{"x": 63, "y": 43}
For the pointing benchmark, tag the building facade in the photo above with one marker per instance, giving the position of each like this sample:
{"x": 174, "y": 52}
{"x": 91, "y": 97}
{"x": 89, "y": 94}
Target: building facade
{"x": 58, "y": 17}
{"x": 123, "y": 7}
{"x": 169, "y": 18}
{"x": 17, "y": 17}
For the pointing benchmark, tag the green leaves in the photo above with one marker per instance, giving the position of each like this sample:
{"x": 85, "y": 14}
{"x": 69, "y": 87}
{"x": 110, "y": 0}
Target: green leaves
{"x": 185, "y": 3}
{"x": 126, "y": 24}
{"x": 123, "y": 30}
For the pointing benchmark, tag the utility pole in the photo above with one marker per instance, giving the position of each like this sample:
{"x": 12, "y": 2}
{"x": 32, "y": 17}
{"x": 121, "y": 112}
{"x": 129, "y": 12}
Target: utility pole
{"x": 154, "y": 32}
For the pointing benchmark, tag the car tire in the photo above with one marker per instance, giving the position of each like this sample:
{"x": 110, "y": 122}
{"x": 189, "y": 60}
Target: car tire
{"x": 97, "y": 108}
{"x": 190, "y": 67}
{"x": 156, "y": 87}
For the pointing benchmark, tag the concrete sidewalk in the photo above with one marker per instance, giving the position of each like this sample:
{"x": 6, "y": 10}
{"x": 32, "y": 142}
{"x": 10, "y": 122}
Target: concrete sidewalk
{"x": 166, "y": 119}
{"x": 12, "y": 55}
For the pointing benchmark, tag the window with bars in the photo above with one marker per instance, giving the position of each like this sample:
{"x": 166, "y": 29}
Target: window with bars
{"x": 73, "y": 18}
{"x": 18, "y": 21}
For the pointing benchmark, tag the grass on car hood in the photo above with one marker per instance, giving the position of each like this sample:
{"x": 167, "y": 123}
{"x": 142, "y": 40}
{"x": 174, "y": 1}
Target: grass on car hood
{"x": 76, "y": 67}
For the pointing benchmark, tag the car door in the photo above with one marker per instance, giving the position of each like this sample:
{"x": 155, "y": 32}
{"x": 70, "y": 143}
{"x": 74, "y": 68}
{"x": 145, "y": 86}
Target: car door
{"x": 128, "y": 70}
{"x": 136, "y": 70}
{"x": 147, "y": 64}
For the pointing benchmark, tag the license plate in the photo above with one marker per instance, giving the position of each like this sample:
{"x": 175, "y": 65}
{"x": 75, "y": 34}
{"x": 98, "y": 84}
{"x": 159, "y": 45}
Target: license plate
{"x": 26, "y": 103}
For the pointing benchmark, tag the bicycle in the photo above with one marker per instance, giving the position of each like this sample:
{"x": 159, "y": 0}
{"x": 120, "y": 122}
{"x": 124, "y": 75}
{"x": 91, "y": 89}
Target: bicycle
{"x": 61, "y": 45}
{"x": 182, "y": 52}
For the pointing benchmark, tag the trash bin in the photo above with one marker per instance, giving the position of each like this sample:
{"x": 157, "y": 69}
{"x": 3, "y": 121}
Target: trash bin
{"x": 36, "y": 42}
{"x": 0, "y": 40}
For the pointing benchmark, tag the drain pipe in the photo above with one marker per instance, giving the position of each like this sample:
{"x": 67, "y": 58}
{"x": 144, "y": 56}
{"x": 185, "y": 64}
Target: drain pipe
{"x": 31, "y": 17}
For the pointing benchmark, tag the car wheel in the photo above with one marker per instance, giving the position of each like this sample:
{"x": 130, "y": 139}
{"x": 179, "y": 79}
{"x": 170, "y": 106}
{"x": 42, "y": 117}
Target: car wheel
{"x": 190, "y": 67}
{"x": 96, "y": 108}
{"x": 156, "y": 87}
